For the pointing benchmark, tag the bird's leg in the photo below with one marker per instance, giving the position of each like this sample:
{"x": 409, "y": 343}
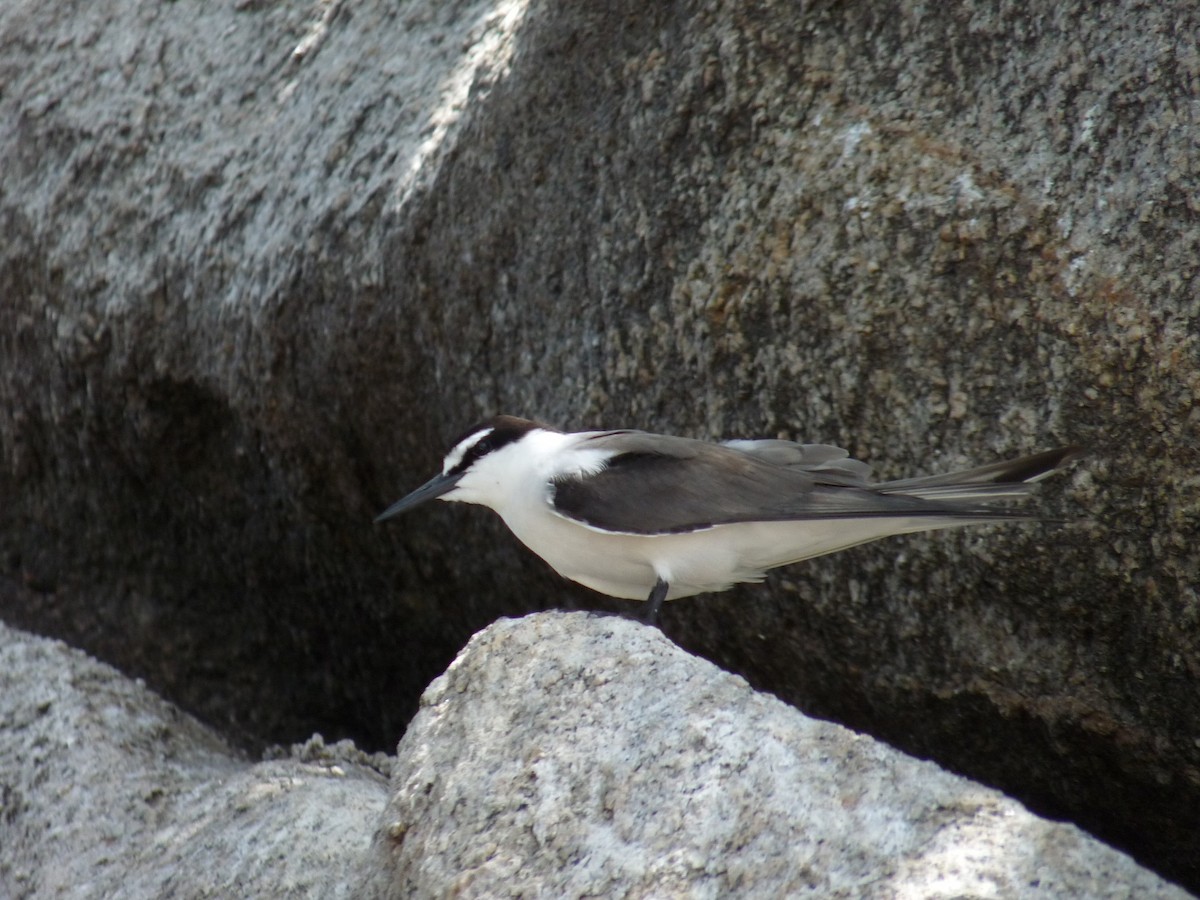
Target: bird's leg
{"x": 657, "y": 595}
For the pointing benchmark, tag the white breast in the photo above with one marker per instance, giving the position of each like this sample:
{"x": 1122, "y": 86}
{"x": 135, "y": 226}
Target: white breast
{"x": 697, "y": 562}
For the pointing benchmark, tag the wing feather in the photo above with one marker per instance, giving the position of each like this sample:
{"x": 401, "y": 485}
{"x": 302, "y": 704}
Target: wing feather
{"x": 658, "y": 484}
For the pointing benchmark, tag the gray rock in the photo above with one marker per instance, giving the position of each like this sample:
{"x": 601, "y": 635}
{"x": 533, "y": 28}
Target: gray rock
{"x": 560, "y": 756}
{"x": 108, "y": 791}
{"x": 260, "y": 261}
{"x": 568, "y": 755}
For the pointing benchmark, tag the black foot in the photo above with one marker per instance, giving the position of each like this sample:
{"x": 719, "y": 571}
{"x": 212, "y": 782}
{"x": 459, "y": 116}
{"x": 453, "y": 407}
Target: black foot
{"x": 655, "y": 601}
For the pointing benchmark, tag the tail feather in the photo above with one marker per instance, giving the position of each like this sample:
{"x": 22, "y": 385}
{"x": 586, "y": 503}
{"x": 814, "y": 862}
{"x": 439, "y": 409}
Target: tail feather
{"x": 982, "y": 492}
{"x": 1013, "y": 479}
{"x": 1023, "y": 470}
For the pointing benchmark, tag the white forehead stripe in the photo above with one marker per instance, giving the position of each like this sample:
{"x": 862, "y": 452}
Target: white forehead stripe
{"x": 459, "y": 450}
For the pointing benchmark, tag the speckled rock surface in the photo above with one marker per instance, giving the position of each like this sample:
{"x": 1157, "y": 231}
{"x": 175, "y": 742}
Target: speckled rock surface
{"x": 107, "y": 791}
{"x": 560, "y": 756}
{"x": 568, "y": 755}
{"x": 260, "y": 261}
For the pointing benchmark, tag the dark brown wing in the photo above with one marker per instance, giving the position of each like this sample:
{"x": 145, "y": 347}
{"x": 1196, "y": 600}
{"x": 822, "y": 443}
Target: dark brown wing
{"x": 655, "y": 484}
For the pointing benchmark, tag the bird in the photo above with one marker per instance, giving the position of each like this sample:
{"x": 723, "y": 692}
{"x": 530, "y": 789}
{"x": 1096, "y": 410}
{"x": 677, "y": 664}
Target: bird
{"x": 638, "y": 515}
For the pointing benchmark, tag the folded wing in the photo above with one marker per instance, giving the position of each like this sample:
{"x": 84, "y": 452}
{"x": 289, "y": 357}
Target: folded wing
{"x": 657, "y": 484}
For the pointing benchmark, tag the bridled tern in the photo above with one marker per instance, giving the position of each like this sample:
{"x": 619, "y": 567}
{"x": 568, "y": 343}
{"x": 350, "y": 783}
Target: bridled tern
{"x": 651, "y": 516}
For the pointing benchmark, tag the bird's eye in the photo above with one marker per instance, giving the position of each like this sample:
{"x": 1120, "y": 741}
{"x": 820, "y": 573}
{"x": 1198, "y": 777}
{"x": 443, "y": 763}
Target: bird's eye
{"x": 474, "y": 453}
{"x": 483, "y": 448}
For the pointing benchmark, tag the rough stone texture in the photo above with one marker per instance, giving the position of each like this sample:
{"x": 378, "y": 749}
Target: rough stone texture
{"x": 562, "y": 755}
{"x": 259, "y": 261}
{"x": 567, "y": 755}
{"x": 108, "y": 791}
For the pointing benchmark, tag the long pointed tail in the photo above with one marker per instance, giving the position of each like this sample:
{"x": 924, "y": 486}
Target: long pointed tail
{"x": 1013, "y": 479}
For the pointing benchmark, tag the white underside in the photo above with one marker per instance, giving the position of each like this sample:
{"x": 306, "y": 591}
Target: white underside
{"x": 697, "y": 562}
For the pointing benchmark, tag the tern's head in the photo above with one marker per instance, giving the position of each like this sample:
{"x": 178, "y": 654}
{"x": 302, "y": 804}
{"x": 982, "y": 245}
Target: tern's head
{"x": 475, "y": 466}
